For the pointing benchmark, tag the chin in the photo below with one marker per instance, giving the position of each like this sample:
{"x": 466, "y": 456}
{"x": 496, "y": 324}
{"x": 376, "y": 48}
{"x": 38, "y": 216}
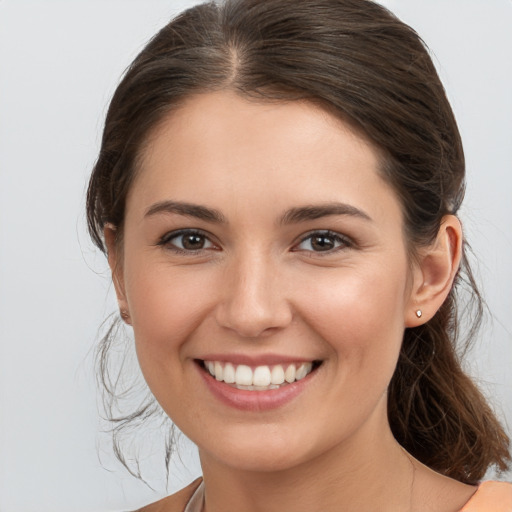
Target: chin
{"x": 270, "y": 449}
{"x": 262, "y": 459}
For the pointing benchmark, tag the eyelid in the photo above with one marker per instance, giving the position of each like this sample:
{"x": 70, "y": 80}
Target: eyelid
{"x": 346, "y": 242}
{"x": 167, "y": 237}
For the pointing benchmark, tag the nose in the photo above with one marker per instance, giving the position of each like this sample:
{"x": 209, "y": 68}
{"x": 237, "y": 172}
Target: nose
{"x": 254, "y": 299}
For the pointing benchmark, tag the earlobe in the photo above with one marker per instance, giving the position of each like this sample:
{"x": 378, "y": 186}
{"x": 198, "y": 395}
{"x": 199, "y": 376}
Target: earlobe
{"x": 116, "y": 267}
{"x": 435, "y": 272}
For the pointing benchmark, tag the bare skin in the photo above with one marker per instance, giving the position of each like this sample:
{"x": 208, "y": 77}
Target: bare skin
{"x": 261, "y": 232}
{"x": 408, "y": 486}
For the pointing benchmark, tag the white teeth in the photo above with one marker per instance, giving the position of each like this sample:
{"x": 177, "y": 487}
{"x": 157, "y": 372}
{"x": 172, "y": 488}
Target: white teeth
{"x": 219, "y": 373}
{"x": 261, "y": 378}
{"x": 243, "y": 375}
{"x": 229, "y": 373}
{"x": 303, "y": 370}
{"x": 289, "y": 374}
{"x": 277, "y": 375}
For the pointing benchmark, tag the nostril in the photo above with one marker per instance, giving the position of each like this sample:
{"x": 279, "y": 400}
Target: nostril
{"x": 253, "y": 322}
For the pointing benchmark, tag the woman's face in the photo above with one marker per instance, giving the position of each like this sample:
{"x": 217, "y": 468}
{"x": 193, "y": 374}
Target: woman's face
{"x": 261, "y": 244}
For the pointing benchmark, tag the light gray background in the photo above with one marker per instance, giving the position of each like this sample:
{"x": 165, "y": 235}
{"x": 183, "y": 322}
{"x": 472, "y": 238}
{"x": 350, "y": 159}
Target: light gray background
{"x": 59, "y": 64}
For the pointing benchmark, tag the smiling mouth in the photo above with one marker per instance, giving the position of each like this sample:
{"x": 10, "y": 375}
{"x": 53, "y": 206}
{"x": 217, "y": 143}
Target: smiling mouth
{"x": 258, "y": 378}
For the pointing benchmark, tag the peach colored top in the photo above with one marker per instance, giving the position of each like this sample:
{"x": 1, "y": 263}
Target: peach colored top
{"x": 490, "y": 497}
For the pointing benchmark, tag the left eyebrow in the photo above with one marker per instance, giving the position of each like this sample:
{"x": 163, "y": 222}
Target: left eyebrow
{"x": 187, "y": 210}
{"x": 312, "y": 212}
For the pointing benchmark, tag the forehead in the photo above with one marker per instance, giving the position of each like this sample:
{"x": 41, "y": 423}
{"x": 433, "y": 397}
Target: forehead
{"x": 220, "y": 146}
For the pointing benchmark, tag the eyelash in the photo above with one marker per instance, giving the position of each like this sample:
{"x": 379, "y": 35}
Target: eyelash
{"x": 166, "y": 241}
{"x": 342, "y": 241}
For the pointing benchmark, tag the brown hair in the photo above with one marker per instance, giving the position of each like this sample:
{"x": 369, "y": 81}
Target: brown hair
{"x": 367, "y": 67}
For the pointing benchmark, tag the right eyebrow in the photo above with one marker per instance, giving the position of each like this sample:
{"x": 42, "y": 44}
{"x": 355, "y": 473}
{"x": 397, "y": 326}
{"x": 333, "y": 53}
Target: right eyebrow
{"x": 312, "y": 212}
{"x": 188, "y": 210}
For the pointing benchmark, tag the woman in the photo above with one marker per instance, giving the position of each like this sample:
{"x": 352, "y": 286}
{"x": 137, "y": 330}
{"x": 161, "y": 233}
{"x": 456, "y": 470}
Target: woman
{"x": 277, "y": 192}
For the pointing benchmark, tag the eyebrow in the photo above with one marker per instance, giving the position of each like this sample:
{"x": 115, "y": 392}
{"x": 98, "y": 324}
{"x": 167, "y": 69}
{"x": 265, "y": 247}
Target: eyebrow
{"x": 188, "y": 210}
{"x": 312, "y": 212}
{"x": 292, "y": 216}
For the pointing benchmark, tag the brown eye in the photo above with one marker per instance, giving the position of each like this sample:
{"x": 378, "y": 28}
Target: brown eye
{"x": 187, "y": 241}
{"x": 193, "y": 242}
{"x": 323, "y": 241}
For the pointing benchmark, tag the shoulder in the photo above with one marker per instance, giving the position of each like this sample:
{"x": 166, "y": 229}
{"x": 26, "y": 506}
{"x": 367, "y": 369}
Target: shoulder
{"x": 491, "y": 497}
{"x": 174, "y": 503}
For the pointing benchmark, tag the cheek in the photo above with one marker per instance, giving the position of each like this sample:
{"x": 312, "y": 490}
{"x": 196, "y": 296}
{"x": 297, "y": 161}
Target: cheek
{"x": 167, "y": 307}
{"x": 353, "y": 299}
{"x": 161, "y": 295}
{"x": 360, "y": 314}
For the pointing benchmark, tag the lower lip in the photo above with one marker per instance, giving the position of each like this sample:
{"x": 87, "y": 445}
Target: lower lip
{"x": 256, "y": 401}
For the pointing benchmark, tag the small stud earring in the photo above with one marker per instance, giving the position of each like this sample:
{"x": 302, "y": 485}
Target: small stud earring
{"x": 124, "y": 314}
{"x": 419, "y": 313}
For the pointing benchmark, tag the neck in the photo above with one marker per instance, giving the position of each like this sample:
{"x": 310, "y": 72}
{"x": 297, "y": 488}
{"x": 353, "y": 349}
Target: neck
{"x": 368, "y": 472}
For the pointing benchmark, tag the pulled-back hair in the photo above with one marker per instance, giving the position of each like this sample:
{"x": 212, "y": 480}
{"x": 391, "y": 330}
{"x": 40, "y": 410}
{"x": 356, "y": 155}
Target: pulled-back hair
{"x": 358, "y": 61}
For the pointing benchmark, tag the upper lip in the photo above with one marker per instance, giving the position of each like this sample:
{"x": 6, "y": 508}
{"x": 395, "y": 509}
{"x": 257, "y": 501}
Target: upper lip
{"x": 256, "y": 360}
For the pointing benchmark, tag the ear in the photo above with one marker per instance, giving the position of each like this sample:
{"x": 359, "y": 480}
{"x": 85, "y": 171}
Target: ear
{"x": 434, "y": 272}
{"x": 114, "y": 255}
